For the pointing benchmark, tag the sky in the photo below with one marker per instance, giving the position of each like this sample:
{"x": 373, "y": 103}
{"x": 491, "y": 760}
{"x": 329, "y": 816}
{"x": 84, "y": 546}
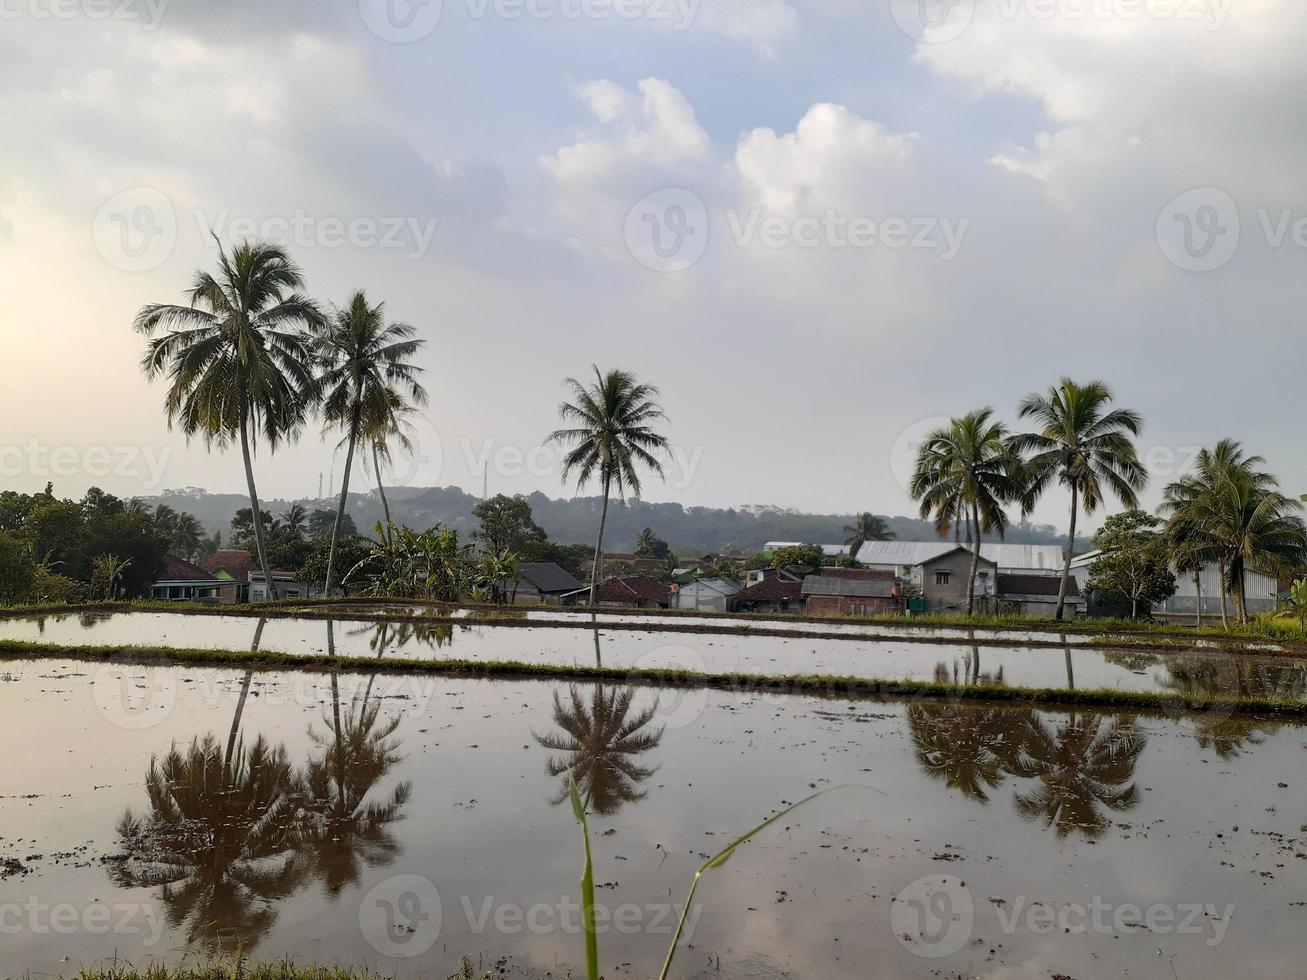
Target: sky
{"x": 820, "y": 227}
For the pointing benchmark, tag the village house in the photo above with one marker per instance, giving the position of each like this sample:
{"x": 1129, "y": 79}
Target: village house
{"x": 182, "y": 581}
{"x": 852, "y": 592}
{"x": 628, "y": 592}
{"x": 1036, "y": 595}
{"x": 1263, "y": 590}
{"x": 544, "y": 583}
{"x": 707, "y": 594}
{"x": 771, "y": 590}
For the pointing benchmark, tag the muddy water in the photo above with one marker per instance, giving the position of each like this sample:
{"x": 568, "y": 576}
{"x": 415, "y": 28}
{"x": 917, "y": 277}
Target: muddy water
{"x": 401, "y": 822}
{"x": 1077, "y": 665}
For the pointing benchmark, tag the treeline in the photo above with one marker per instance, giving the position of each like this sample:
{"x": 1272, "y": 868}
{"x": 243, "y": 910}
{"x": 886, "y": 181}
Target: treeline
{"x": 689, "y": 530}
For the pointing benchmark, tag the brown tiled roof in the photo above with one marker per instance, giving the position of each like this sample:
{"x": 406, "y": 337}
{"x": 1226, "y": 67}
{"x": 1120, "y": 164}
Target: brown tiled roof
{"x": 633, "y": 588}
{"x": 771, "y": 590}
{"x": 236, "y": 562}
{"x": 1035, "y": 585}
{"x": 179, "y": 570}
{"x": 828, "y": 585}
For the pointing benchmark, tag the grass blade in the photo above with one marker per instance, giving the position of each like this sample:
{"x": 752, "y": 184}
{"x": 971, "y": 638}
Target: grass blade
{"x": 587, "y": 886}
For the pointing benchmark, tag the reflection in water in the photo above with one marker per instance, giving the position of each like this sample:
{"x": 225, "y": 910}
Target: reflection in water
{"x": 1228, "y": 734}
{"x": 341, "y": 830}
{"x": 217, "y": 841}
{"x": 600, "y": 740}
{"x": 1082, "y": 764}
{"x": 395, "y": 636}
{"x": 971, "y": 748}
{"x": 231, "y": 833}
{"x": 1078, "y": 766}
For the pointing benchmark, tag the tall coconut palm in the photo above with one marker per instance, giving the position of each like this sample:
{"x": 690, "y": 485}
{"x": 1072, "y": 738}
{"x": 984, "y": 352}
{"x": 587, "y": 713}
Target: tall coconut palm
{"x": 966, "y": 471}
{"x": 610, "y": 438}
{"x": 1087, "y": 447}
{"x": 1231, "y": 513}
{"x": 388, "y": 426}
{"x": 364, "y": 362}
{"x": 866, "y": 527}
{"x": 235, "y": 358}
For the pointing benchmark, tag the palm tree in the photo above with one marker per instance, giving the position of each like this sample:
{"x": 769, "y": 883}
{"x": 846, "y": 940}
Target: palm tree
{"x": 235, "y": 358}
{"x": 866, "y": 527}
{"x": 1081, "y": 764}
{"x": 388, "y": 423}
{"x": 1084, "y": 446}
{"x": 363, "y": 360}
{"x": 967, "y": 472}
{"x": 610, "y": 438}
{"x": 187, "y": 536}
{"x": 646, "y": 543}
{"x": 970, "y": 747}
{"x": 1233, "y": 514}
{"x": 600, "y": 740}
{"x": 295, "y": 520}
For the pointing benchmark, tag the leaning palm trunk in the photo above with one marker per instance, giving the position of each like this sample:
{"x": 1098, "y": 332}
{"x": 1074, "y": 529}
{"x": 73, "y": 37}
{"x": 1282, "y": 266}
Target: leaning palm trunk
{"x": 1225, "y": 616}
{"x": 234, "y": 732}
{"x": 599, "y": 549}
{"x": 255, "y": 512}
{"x": 1198, "y": 598}
{"x": 340, "y": 508}
{"x": 381, "y": 490}
{"x": 1066, "y": 561}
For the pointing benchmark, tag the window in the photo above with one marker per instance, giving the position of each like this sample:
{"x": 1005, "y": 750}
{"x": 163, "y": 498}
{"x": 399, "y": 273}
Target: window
{"x": 941, "y": 578}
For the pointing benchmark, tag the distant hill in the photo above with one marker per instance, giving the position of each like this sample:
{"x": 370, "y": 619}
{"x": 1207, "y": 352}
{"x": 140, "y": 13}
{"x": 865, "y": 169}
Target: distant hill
{"x": 689, "y": 530}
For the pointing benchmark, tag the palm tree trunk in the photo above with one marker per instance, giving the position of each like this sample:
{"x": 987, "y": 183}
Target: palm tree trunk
{"x": 255, "y": 513}
{"x": 344, "y": 495}
{"x": 1066, "y": 562}
{"x": 381, "y": 489}
{"x": 240, "y": 705}
{"x": 1070, "y": 673}
{"x": 975, "y": 561}
{"x": 1242, "y": 595}
{"x": 1225, "y": 617}
{"x": 599, "y": 548}
{"x": 1198, "y": 601}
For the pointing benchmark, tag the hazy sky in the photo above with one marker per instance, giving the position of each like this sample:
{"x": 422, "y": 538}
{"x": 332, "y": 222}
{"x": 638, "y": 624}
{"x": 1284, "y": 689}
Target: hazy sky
{"x": 817, "y": 225}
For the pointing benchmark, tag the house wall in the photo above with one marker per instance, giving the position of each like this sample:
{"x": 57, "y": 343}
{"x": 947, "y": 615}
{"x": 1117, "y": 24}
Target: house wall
{"x": 1038, "y": 605}
{"x": 945, "y": 598}
{"x": 701, "y": 598}
{"x": 841, "y": 605}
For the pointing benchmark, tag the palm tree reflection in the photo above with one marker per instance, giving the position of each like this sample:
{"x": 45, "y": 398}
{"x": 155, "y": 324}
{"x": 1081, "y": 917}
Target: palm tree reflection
{"x": 218, "y": 840}
{"x": 600, "y": 738}
{"x": 970, "y": 747}
{"x": 1082, "y": 765}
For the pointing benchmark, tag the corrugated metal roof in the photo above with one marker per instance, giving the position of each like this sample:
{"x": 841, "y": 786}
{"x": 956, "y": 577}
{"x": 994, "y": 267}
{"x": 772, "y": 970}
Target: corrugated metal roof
{"x": 877, "y": 588}
{"x": 1014, "y": 557}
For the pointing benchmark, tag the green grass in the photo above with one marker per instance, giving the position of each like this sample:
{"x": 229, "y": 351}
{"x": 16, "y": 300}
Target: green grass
{"x": 821, "y": 685}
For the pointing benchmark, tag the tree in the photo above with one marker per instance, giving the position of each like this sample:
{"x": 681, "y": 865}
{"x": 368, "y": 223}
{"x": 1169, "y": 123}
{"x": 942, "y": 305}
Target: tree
{"x": 506, "y": 524}
{"x": 805, "y": 556}
{"x": 236, "y": 359}
{"x": 649, "y": 545}
{"x": 612, "y": 436}
{"x": 321, "y": 522}
{"x": 242, "y": 526}
{"x": 966, "y": 472}
{"x": 866, "y": 527}
{"x": 364, "y": 361}
{"x": 1136, "y": 562}
{"x": 295, "y": 519}
{"x": 1233, "y": 514}
{"x": 17, "y": 570}
{"x": 1298, "y": 602}
{"x": 1086, "y": 447}
{"x": 106, "y": 574}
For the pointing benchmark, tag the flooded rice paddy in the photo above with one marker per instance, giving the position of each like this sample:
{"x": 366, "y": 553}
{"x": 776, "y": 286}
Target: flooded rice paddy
{"x": 402, "y": 821}
{"x": 1078, "y": 665}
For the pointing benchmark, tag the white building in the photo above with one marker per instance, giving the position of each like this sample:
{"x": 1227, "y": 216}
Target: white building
{"x": 905, "y": 558}
{"x": 1263, "y": 589}
{"x": 706, "y": 595}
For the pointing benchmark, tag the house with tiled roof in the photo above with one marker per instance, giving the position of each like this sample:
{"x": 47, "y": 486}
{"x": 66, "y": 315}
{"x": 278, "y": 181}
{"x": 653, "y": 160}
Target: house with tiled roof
{"x": 772, "y": 590}
{"x": 544, "y": 583}
{"x": 627, "y": 592}
{"x": 182, "y": 581}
